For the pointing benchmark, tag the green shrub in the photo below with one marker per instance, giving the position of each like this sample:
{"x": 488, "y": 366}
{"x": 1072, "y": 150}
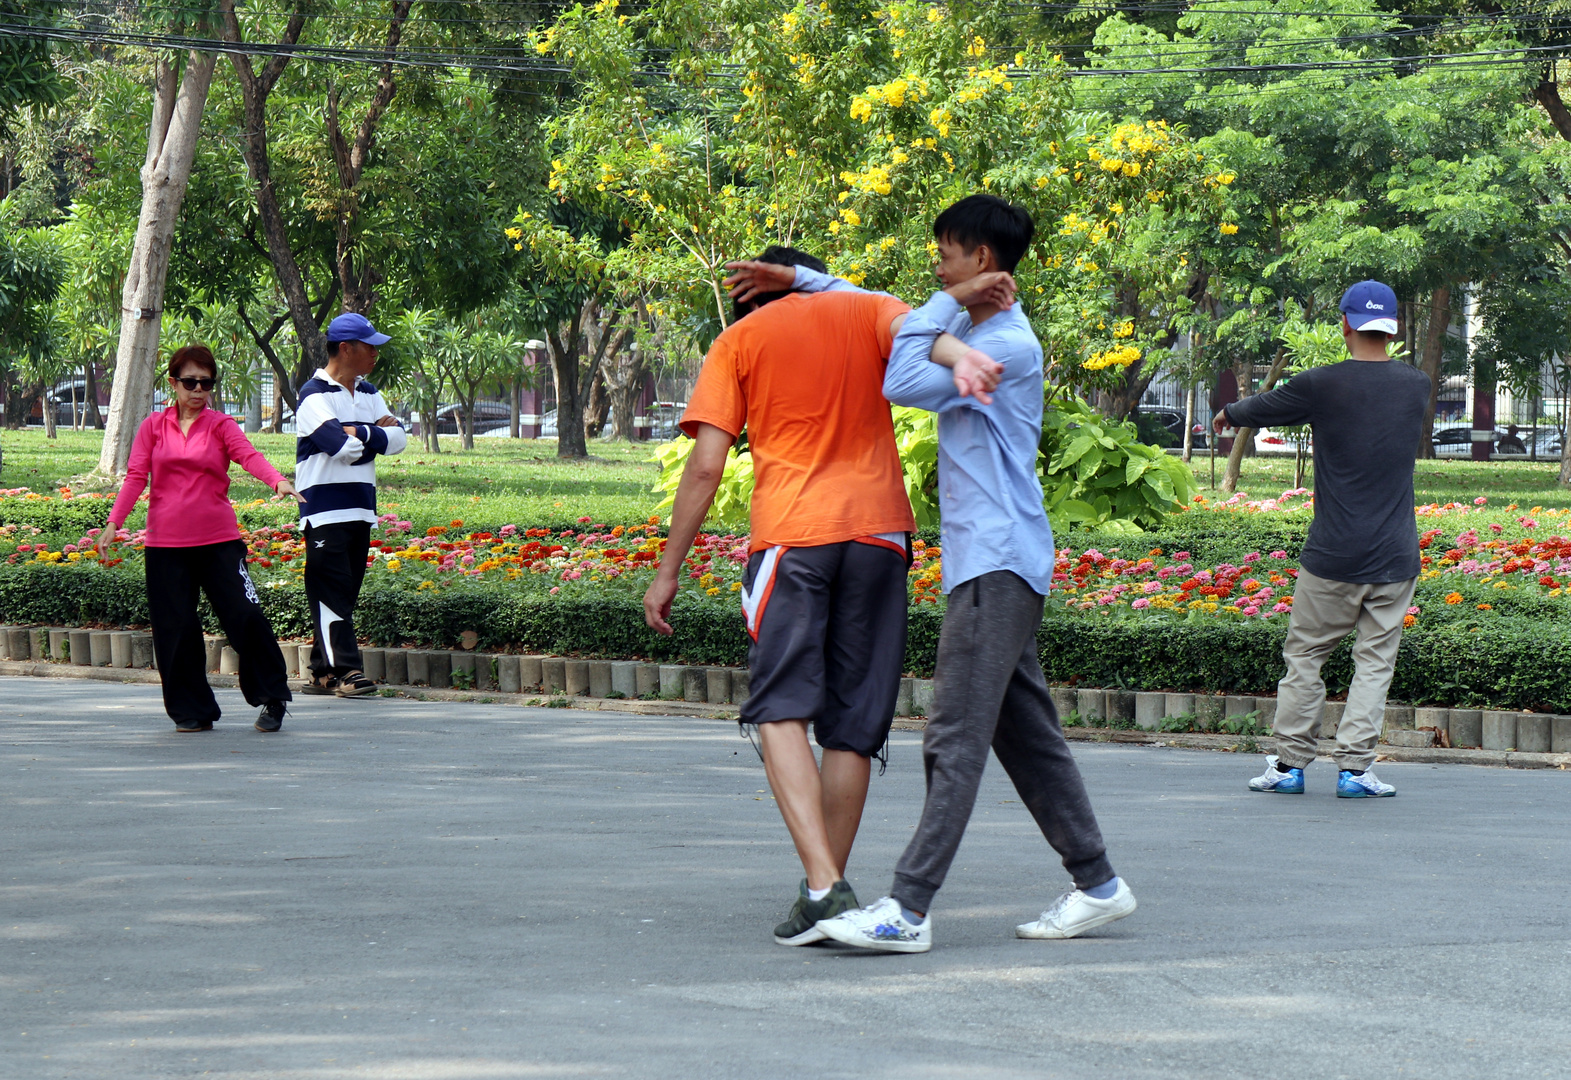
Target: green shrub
{"x": 56, "y": 517}
{"x": 1503, "y": 661}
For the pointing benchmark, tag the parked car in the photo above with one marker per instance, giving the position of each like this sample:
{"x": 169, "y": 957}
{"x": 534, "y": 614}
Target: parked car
{"x": 1457, "y": 442}
{"x": 489, "y": 415}
{"x": 1549, "y": 441}
{"x": 1173, "y": 420}
{"x": 504, "y": 430}
{"x": 58, "y": 397}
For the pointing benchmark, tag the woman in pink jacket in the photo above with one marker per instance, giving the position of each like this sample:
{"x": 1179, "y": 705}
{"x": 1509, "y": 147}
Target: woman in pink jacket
{"x": 193, "y": 543}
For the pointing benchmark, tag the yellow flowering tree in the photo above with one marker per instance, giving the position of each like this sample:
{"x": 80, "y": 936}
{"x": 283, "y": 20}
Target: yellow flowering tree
{"x": 710, "y": 132}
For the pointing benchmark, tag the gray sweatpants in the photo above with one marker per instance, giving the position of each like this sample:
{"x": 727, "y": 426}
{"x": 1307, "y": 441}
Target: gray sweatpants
{"x": 1325, "y": 612}
{"x": 988, "y": 690}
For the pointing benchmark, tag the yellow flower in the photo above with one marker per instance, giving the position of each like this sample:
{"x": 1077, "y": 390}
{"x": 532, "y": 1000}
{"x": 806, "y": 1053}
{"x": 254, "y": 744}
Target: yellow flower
{"x": 851, "y": 217}
{"x": 1228, "y": 229}
{"x": 934, "y": 14}
{"x": 394, "y": 565}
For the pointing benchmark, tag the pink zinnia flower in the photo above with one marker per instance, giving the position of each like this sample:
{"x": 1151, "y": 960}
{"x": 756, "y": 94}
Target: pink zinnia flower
{"x": 1280, "y": 608}
{"x": 1480, "y": 501}
{"x": 1141, "y": 604}
{"x": 555, "y": 589}
{"x": 1412, "y": 611}
{"x": 1153, "y": 586}
{"x": 468, "y": 560}
{"x": 1251, "y": 610}
{"x": 1253, "y": 556}
{"x": 1496, "y": 528}
{"x": 1279, "y": 554}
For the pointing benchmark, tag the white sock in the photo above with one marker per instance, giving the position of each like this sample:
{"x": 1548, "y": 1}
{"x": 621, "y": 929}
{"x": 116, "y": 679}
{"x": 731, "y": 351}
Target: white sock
{"x": 816, "y": 895}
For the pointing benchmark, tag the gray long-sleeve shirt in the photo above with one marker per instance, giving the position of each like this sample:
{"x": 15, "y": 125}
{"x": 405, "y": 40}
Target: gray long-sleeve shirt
{"x": 1367, "y": 417}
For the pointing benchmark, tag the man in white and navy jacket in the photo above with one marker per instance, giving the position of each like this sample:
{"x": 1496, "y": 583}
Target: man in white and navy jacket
{"x": 343, "y": 425}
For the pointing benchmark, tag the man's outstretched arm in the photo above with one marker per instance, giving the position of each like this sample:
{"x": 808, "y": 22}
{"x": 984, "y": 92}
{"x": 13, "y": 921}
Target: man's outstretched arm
{"x": 694, "y": 494}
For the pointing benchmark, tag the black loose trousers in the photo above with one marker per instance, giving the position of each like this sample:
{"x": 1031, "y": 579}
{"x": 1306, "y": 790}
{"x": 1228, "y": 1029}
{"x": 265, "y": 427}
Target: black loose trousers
{"x": 175, "y": 578}
{"x": 335, "y": 557}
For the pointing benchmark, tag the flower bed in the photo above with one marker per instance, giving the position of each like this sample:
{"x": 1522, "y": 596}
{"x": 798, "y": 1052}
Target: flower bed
{"x": 1488, "y": 624}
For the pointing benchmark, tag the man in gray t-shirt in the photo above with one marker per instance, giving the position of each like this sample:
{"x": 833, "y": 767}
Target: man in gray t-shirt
{"x": 1360, "y": 562}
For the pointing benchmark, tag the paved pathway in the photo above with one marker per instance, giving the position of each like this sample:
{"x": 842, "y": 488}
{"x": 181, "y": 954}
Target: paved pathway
{"x": 409, "y": 890}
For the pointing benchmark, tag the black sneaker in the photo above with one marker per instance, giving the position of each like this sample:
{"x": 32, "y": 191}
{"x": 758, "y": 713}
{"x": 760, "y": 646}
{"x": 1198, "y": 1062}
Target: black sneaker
{"x": 800, "y": 928}
{"x": 271, "y": 718}
{"x": 186, "y": 727}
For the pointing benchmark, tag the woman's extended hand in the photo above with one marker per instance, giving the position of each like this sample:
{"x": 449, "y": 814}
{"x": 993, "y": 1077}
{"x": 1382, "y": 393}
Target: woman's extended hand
{"x": 106, "y": 536}
{"x": 286, "y": 488}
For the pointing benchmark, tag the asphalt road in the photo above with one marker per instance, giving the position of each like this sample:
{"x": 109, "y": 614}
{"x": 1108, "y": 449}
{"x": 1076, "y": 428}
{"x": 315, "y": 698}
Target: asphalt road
{"x": 431, "y": 891}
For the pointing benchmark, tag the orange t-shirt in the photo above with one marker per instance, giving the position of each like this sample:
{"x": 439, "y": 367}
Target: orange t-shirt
{"x": 805, "y": 376}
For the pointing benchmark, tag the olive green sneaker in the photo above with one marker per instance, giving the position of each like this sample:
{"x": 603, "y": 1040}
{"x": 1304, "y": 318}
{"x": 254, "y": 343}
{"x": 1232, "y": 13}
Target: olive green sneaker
{"x": 801, "y": 928}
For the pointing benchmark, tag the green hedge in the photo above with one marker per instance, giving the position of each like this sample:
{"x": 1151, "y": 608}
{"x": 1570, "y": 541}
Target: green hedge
{"x": 1503, "y": 662}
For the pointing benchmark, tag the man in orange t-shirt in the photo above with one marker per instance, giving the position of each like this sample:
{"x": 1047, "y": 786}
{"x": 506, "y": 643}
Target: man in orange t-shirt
{"x": 825, "y": 590}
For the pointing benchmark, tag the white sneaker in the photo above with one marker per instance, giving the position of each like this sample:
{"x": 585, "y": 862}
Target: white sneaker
{"x": 1277, "y": 779}
{"x": 881, "y": 927}
{"x": 1074, "y": 913}
{"x": 1364, "y": 786}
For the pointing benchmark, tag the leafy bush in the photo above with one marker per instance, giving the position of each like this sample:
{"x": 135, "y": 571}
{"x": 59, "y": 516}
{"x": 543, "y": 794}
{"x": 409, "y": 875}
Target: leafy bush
{"x": 1095, "y": 471}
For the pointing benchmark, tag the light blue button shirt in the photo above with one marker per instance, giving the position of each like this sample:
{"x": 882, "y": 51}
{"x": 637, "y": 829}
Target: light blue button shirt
{"x": 989, "y": 494}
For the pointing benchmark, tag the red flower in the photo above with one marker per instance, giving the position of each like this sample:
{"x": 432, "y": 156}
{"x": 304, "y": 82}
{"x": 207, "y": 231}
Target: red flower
{"x": 1547, "y": 582}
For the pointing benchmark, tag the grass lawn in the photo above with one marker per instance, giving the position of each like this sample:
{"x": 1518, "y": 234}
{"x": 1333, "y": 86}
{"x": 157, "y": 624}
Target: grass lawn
{"x": 523, "y": 482}
{"x": 1440, "y": 481}
{"x": 502, "y": 480}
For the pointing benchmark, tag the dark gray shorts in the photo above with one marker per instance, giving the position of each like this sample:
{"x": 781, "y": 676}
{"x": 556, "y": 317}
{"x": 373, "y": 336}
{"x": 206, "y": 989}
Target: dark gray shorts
{"x": 829, "y": 638}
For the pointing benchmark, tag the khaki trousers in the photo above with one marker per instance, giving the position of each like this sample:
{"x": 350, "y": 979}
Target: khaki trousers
{"x": 1325, "y": 612}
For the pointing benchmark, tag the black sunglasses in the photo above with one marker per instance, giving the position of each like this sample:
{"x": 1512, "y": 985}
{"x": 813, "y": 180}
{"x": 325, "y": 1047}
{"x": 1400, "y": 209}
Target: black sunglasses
{"x": 197, "y": 384}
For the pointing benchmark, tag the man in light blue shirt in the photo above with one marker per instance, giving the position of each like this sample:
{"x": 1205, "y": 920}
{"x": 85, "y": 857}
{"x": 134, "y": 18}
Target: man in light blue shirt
{"x": 998, "y": 566}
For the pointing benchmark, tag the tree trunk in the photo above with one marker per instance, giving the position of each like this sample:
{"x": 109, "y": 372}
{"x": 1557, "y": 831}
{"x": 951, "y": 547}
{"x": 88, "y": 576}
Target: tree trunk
{"x": 171, "y": 145}
{"x": 96, "y": 416}
{"x": 1189, "y": 424}
{"x": 569, "y": 406}
{"x": 357, "y": 279}
{"x": 1434, "y": 342}
{"x": 277, "y": 426}
{"x": 1246, "y": 436}
{"x": 467, "y": 416}
{"x": 515, "y": 392}
{"x": 254, "y": 90}
{"x": 1547, "y": 93}
{"x": 51, "y": 408}
{"x": 597, "y": 408}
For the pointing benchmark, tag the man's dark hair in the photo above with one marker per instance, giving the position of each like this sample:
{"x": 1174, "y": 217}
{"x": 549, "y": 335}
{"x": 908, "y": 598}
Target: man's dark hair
{"x": 986, "y": 219}
{"x": 780, "y": 256}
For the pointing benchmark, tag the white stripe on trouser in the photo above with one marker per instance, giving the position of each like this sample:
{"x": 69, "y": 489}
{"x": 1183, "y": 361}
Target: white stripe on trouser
{"x": 752, "y": 597}
{"x": 329, "y": 617}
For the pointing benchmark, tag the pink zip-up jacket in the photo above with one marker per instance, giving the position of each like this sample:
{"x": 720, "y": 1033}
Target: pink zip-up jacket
{"x": 189, "y": 504}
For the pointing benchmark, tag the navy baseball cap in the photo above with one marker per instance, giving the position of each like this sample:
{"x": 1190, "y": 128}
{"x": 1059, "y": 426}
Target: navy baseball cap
{"x": 1371, "y": 306}
{"x": 352, "y": 327}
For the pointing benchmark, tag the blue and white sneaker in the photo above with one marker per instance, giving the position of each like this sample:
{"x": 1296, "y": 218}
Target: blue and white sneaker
{"x": 1279, "y": 780}
{"x": 1367, "y": 786}
{"x": 881, "y": 927}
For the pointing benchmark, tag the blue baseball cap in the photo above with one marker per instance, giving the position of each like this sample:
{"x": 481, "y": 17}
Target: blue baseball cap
{"x": 1371, "y": 306}
{"x": 352, "y": 327}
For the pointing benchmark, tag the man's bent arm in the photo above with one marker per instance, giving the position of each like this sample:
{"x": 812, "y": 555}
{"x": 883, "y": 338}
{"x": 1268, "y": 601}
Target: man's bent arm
{"x": 694, "y": 494}
{"x": 914, "y": 376}
{"x": 947, "y": 350}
